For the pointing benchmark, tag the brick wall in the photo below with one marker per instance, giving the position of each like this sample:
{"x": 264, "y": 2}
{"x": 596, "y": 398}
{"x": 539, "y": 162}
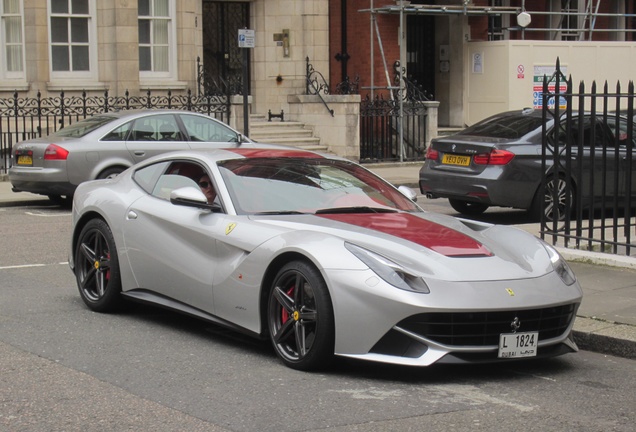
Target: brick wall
{"x": 358, "y": 44}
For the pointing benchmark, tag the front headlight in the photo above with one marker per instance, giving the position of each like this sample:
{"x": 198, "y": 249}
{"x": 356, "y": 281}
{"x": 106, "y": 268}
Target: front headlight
{"x": 560, "y": 266}
{"x": 389, "y": 271}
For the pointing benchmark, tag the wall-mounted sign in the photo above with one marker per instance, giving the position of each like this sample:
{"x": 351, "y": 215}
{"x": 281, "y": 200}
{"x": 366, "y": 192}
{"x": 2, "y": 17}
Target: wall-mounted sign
{"x": 540, "y": 72}
{"x": 478, "y": 63}
{"x": 246, "y": 38}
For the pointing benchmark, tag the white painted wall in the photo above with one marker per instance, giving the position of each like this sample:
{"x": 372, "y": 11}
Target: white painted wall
{"x": 506, "y": 81}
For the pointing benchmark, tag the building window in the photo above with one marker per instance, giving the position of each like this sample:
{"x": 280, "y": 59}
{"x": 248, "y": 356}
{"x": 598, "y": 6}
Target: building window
{"x": 155, "y": 37}
{"x": 72, "y": 40}
{"x": 12, "y": 39}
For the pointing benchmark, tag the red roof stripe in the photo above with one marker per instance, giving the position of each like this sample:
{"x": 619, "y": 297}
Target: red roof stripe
{"x": 273, "y": 153}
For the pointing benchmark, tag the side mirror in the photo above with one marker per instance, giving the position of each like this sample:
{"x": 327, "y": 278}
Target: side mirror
{"x": 408, "y": 192}
{"x": 189, "y": 197}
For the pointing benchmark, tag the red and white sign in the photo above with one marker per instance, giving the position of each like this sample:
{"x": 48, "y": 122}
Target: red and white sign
{"x": 521, "y": 72}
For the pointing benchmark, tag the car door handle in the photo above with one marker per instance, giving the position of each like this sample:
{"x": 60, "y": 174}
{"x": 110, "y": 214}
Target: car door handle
{"x": 131, "y": 215}
{"x": 139, "y": 152}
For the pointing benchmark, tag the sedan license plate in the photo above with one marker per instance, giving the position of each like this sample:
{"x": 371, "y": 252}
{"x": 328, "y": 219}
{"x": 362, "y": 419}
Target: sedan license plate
{"x": 517, "y": 345}
{"x": 25, "y": 160}
{"x": 450, "y": 159}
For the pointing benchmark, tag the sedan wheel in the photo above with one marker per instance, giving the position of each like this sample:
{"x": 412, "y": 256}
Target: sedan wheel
{"x": 97, "y": 267}
{"x": 467, "y": 207}
{"x": 110, "y": 173}
{"x": 61, "y": 200}
{"x": 551, "y": 208}
{"x": 300, "y": 317}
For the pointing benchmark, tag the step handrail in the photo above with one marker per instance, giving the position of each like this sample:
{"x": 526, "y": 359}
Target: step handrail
{"x": 316, "y": 84}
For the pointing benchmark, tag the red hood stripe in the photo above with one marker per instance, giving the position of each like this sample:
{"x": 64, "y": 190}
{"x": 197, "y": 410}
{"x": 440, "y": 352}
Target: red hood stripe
{"x": 431, "y": 235}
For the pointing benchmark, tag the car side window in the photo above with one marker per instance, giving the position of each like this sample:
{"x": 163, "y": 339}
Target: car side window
{"x": 169, "y": 182}
{"x": 161, "y": 127}
{"x": 620, "y": 132}
{"x": 592, "y": 136}
{"x": 147, "y": 177}
{"x": 206, "y": 129}
{"x": 118, "y": 134}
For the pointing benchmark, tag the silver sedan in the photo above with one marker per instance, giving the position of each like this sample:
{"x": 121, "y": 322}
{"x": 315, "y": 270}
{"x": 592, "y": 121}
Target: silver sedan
{"x": 104, "y": 145}
{"x": 321, "y": 257}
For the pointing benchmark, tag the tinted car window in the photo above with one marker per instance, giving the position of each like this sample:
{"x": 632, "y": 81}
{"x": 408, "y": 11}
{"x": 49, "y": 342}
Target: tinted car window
{"x": 206, "y": 129}
{"x": 118, "y": 134}
{"x": 509, "y": 127}
{"x": 147, "y": 177}
{"x": 83, "y": 127}
{"x": 161, "y": 127}
{"x": 597, "y": 136}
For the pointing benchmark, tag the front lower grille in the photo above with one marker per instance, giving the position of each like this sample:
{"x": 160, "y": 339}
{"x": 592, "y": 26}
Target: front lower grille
{"x": 484, "y": 328}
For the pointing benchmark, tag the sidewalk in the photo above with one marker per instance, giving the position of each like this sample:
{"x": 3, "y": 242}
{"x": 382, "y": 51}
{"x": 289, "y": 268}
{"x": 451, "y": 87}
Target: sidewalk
{"x": 606, "y": 320}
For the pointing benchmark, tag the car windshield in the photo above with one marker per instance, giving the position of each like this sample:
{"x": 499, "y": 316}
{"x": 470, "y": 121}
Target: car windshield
{"x": 83, "y": 127}
{"x": 304, "y": 185}
{"x": 507, "y": 127}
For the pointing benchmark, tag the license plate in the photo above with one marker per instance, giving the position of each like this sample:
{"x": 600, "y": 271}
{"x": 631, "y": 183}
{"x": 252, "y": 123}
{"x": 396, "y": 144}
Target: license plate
{"x": 450, "y": 159}
{"x": 517, "y": 345}
{"x": 25, "y": 160}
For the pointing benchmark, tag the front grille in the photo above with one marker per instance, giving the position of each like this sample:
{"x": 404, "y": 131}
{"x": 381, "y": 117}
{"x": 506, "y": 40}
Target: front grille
{"x": 484, "y": 328}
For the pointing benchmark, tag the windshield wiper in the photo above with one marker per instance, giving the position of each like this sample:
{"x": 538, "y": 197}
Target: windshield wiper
{"x": 359, "y": 209}
{"x": 280, "y": 212}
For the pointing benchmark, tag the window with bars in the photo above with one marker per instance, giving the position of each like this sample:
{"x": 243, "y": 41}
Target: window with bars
{"x": 71, "y": 24}
{"x": 155, "y": 30}
{"x": 12, "y": 63}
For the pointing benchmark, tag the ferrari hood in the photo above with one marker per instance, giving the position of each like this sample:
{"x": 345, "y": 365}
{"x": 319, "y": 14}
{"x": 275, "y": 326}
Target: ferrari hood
{"x": 431, "y": 235}
{"x": 431, "y": 244}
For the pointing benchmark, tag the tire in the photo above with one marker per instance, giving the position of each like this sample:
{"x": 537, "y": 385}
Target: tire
{"x": 64, "y": 201}
{"x": 110, "y": 173}
{"x": 300, "y": 321}
{"x": 546, "y": 203}
{"x": 467, "y": 207}
{"x": 97, "y": 267}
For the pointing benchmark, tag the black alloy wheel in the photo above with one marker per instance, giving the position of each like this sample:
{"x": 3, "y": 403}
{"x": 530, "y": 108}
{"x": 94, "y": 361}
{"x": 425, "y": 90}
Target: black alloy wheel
{"x": 467, "y": 207}
{"x": 300, "y": 317}
{"x": 97, "y": 267}
{"x": 553, "y": 209}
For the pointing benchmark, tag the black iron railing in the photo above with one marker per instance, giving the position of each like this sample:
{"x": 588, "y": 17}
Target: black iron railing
{"x": 589, "y": 161}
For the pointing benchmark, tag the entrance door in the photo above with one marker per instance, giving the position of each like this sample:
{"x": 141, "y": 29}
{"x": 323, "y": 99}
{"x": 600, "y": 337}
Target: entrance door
{"x": 420, "y": 48}
{"x": 222, "y": 58}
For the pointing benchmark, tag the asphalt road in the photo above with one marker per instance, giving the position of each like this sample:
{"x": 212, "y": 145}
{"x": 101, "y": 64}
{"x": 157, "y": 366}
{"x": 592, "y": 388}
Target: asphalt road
{"x": 64, "y": 368}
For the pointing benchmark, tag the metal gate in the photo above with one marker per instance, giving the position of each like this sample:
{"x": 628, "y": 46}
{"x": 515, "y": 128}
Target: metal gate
{"x": 222, "y": 69}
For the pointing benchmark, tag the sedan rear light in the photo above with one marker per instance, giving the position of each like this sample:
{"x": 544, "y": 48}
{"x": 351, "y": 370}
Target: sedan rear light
{"x": 432, "y": 154}
{"x": 55, "y": 152}
{"x": 495, "y": 157}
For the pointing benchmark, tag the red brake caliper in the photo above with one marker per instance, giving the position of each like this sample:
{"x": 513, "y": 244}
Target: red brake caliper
{"x": 284, "y": 313}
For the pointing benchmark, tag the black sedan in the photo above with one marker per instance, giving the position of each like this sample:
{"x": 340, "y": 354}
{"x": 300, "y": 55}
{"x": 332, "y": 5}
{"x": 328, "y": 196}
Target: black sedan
{"x": 498, "y": 162}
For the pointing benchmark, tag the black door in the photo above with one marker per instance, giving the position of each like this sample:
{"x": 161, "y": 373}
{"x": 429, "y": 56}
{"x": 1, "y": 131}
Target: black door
{"x": 420, "y": 48}
{"x": 222, "y": 58}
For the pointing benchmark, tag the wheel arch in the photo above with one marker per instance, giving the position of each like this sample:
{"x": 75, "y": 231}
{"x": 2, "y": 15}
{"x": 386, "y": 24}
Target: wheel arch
{"x": 79, "y": 226}
{"x": 268, "y": 278}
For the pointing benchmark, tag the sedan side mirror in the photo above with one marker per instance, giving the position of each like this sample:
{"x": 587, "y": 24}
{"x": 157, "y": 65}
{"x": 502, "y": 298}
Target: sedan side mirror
{"x": 408, "y": 192}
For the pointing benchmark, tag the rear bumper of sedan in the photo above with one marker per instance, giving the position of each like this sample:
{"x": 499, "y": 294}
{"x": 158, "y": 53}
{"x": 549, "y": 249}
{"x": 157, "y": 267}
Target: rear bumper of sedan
{"x": 43, "y": 181}
{"x": 494, "y": 186}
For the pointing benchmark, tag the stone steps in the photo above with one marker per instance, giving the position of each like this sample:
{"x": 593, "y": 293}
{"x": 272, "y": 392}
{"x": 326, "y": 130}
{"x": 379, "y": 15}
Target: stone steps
{"x": 289, "y": 133}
